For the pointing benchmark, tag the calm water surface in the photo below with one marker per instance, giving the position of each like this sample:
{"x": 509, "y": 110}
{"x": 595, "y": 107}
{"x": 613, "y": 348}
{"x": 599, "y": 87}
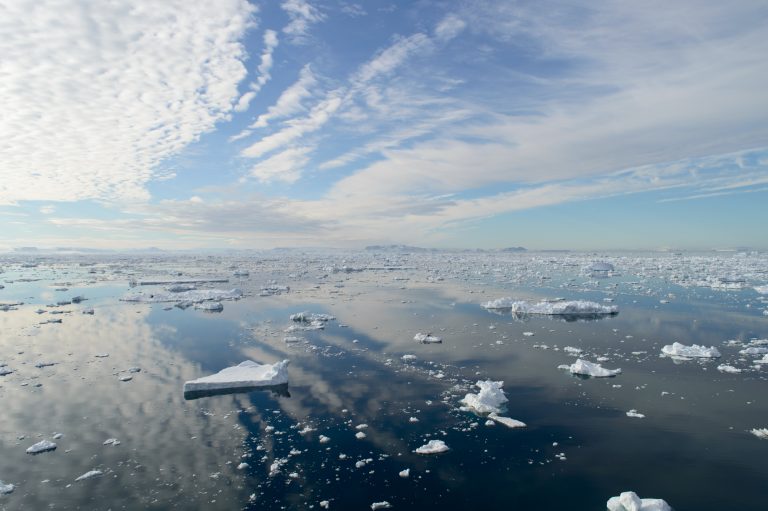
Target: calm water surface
{"x": 693, "y": 448}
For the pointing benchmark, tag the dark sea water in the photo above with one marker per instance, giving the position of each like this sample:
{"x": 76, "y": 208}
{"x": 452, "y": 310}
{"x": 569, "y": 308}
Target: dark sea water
{"x": 693, "y": 448}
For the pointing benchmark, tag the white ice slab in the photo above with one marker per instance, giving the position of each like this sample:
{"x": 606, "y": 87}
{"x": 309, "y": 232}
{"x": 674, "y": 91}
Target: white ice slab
{"x": 694, "y": 351}
{"x": 586, "y": 368}
{"x": 246, "y": 374}
{"x": 89, "y": 475}
{"x": 629, "y": 501}
{"x": 41, "y": 446}
{"x": 561, "y": 308}
{"x": 432, "y": 447}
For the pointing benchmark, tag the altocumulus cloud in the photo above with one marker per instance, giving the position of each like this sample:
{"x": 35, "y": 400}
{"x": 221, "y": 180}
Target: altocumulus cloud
{"x": 97, "y": 94}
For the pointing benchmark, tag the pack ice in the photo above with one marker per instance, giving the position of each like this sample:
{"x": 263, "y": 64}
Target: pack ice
{"x": 552, "y": 308}
{"x": 694, "y": 351}
{"x": 244, "y": 375}
{"x": 586, "y": 368}
{"x": 629, "y": 501}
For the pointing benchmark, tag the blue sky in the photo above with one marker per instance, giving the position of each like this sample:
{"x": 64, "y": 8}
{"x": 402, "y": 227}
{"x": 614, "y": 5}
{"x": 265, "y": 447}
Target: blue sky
{"x": 235, "y": 124}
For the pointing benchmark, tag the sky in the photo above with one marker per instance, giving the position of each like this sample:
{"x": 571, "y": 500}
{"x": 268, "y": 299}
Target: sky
{"x": 548, "y": 124}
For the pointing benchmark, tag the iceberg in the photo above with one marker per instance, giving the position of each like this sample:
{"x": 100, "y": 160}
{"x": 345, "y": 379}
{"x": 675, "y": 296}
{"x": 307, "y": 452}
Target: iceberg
{"x": 549, "y": 308}
{"x": 380, "y": 505}
{"x": 754, "y": 350}
{"x": 432, "y": 447}
{"x": 307, "y": 317}
{"x": 507, "y": 421}
{"x": 41, "y": 446}
{"x": 488, "y": 400}
{"x": 586, "y": 368}
{"x": 89, "y": 475}
{"x": 724, "y": 368}
{"x": 247, "y": 374}
{"x": 6, "y": 488}
{"x": 629, "y": 501}
{"x": 194, "y": 296}
{"x": 427, "y": 338}
{"x": 760, "y": 433}
{"x": 210, "y": 306}
{"x": 694, "y": 351}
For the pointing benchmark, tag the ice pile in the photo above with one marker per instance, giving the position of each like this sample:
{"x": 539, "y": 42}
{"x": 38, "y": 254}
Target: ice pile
{"x": 694, "y": 351}
{"x": 629, "y": 501}
{"x": 586, "y": 368}
{"x": 427, "y": 338}
{"x": 552, "y": 308}
{"x": 192, "y": 295}
{"x": 432, "y": 447}
{"x": 244, "y": 375}
{"x": 488, "y": 400}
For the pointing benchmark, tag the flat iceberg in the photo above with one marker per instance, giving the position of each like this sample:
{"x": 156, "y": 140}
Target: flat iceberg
{"x": 41, "y": 446}
{"x": 89, "y": 475}
{"x": 244, "y": 375}
{"x": 488, "y": 400}
{"x": 694, "y": 351}
{"x": 559, "y": 308}
{"x": 629, "y": 501}
{"x": 507, "y": 421}
{"x": 194, "y": 296}
{"x": 586, "y": 368}
{"x": 432, "y": 447}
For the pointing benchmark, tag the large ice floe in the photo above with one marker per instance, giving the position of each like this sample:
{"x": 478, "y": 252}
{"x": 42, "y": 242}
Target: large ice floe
{"x": 629, "y": 501}
{"x": 694, "y": 351}
{"x": 246, "y": 375}
{"x": 41, "y": 446}
{"x": 432, "y": 447}
{"x": 552, "y": 308}
{"x": 585, "y": 368}
{"x": 192, "y": 295}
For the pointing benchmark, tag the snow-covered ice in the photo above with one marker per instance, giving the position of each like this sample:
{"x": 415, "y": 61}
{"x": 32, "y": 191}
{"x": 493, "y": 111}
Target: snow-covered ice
{"x": 694, "y": 351}
{"x": 488, "y": 400}
{"x": 629, "y": 501}
{"x": 6, "y": 488}
{"x": 89, "y": 475}
{"x": 41, "y": 446}
{"x": 381, "y": 505}
{"x": 634, "y": 413}
{"x": 507, "y": 421}
{"x": 559, "y": 308}
{"x": 432, "y": 447}
{"x": 760, "y": 433}
{"x": 725, "y": 368}
{"x": 427, "y": 338}
{"x": 194, "y": 296}
{"x": 244, "y": 375}
{"x": 586, "y": 368}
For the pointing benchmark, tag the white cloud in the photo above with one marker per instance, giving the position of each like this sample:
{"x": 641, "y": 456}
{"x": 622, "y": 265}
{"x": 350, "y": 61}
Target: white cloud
{"x": 290, "y": 101}
{"x": 96, "y": 95}
{"x": 449, "y": 27}
{"x": 285, "y": 166}
{"x": 48, "y": 209}
{"x": 264, "y": 70}
{"x": 302, "y": 15}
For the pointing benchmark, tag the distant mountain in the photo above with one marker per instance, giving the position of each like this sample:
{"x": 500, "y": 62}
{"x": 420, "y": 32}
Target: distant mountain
{"x": 514, "y": 249}
{"x": 397, "y": 248}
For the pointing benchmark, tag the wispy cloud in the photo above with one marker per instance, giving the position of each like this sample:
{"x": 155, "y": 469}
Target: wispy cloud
{"x": 290, "y": 101}
{"x": 96, "y": 95}
{"x": 265, "y": 66}
{"x": 302, "y": 15}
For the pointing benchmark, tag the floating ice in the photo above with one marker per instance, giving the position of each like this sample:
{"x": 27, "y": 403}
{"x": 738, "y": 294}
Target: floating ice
{"x": 41, "y": 446}
{"x": 194, "y": 296}
{"x": 763, "y": 290}
{"x": 488, "y": 400}
{"x": 381, "y": 505}
{"x": 507, "y": 421}
{"x": 6, "y": 488}
{"x": 427, "y": 338}
{"x": 760, "y": 433}
{"x": 111, "y": 441}
{"x": 360, "y": 435}
{"x": 244, "y": 375}
{"x": 634, "y": 413}
{"x": 307, "y": 317}
{"x": 629, "y": 501}
{"x": 89, "y": 475}
{"x": 405, "y": 473}
{"x": 694, "y": 351}
{"x": 724, "y": 368}
{"x": 210, "y": 306}
{"x": 432, "y": 447}
{"x": 4, "y": 370}
{"x": 586, "y": 368}
{"x": 753, "y": 350}
{"x": 562, "y": 308}
{"x": 180, "y": 288}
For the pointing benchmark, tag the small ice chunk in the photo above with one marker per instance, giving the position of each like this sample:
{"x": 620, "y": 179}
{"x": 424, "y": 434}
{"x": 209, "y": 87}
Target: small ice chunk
{"x": 488, "y": 400}
{"x": 6, "y": 488}
{"x": 324, "y": 504}
{"x": 571, "y": 350}
{"x": 629, "y": 501}
{"x": 694, "y": 351}
{"x": 754, "y": 350}
{"x": 324, "y": 439}
{"x": 586, "y": 368}
{"x": 405, "y": 473}
{"x": 243, "y": 466}
{"x": 408, "y": 358}
{"x": 210, "y": 306}
{"x": 381, "y": 505}
{"x": 112, "y": 441}
{"x": 634, "y": 413}
{"x": 760, "y": 433}
{"x": 89, "y": 475}
{"x": 724, "y": 368}
{"x": 360, "y": 435}
{"x": 427, "y": 338}
{"x": 41, "y": 446}
{"x": 246, "y": 374}
{"x": 432, "y": 447}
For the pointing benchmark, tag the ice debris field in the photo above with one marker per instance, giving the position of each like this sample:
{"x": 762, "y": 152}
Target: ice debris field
{"x": 386, "y": 378}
